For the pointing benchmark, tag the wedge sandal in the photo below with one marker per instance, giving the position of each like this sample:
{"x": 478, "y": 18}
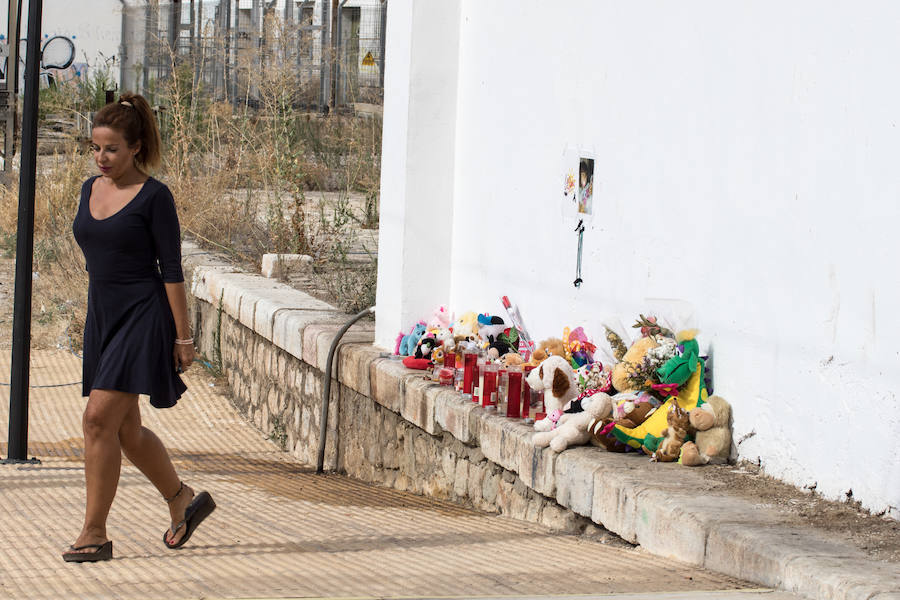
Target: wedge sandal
{"x": 101, "y": 552}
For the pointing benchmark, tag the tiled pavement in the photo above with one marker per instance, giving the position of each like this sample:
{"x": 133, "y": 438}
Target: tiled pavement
{"x": 280, "y": 531}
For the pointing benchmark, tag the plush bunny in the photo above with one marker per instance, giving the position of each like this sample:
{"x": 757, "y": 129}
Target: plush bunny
{"x": 573, "y": 428}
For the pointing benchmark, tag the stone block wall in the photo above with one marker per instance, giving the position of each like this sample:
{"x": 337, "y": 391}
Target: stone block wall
{"x": 367, "y": 439}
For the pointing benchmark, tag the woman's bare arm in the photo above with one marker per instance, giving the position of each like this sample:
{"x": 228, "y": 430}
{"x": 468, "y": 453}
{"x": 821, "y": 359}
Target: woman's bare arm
{"x": 184, "y": 353}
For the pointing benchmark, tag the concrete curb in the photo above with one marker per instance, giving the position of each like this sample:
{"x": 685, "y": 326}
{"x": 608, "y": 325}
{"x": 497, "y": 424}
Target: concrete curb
{"x": 658, "y": 506}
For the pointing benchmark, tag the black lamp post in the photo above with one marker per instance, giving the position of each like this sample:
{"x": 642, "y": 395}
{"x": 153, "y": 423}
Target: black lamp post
{"x": 21, "y": 350}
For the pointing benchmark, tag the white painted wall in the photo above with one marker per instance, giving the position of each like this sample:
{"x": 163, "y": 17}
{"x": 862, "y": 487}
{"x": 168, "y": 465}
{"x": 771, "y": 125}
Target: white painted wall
{"x": 95, "y": 27}
{"x": 745, "y": 175}
{"x": 417, "y": 183}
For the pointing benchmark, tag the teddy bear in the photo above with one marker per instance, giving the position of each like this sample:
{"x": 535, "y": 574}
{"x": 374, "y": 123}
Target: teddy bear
{"x": 445, "y": 338}
{"x": 712, "y": 443}
{"x": 678, "y": 430}
{"x": 549, "y": 347}
{"x": 556, "y": 378}
{"x": 406, "y": 344}
{"x": 512, "y": 359}
{"x": 572, "y": 429}
{"x": 466, "y": 326}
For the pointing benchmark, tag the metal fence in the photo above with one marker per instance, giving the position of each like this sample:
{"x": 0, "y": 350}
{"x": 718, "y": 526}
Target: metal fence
{"x": 324, "y": 52}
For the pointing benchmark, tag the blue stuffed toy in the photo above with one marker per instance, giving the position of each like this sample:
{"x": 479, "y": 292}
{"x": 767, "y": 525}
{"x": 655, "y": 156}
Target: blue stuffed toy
{"x": 408, "y": 342}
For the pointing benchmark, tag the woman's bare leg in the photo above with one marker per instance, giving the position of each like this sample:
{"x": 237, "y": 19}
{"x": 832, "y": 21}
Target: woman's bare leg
{"x": 103, "y": 416}
{"x": 146, "y": 451}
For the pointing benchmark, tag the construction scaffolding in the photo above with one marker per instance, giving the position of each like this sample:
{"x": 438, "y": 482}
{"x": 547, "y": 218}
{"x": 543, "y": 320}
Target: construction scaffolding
{"x": 230, "y": 48}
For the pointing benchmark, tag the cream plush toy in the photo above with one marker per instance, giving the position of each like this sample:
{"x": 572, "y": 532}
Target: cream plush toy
{"x": 556, "y": 378}
{"x": 573, "y": 429}
{"x": 713, "y": 439}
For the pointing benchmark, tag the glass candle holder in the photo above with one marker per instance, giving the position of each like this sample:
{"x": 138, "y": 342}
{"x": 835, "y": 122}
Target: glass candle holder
{"x": 502, "y": 387}
{"x": 537, "y": 404}
{"x": 490, "y": 373}
{"x": 447, "y": 375}
{"x": 526, "y": 393}
{"x": 479, "y": 380}
{"x": 470, "y": 364}
{"x": 514, "y": 392}
{"x": 450, "y": 359}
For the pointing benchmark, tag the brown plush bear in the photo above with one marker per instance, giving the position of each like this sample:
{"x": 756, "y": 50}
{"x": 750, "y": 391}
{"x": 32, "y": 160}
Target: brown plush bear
{"x": 547, "y": 348}
{"x": 678, "y": 429}
{"x": 512, "y": 359}
{"x": 713, "y": 440}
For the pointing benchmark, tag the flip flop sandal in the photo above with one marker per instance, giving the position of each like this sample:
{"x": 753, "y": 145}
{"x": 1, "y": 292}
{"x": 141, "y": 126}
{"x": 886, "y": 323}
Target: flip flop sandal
{"x": 199, "y": 508}
{"x": 101, "y": 552}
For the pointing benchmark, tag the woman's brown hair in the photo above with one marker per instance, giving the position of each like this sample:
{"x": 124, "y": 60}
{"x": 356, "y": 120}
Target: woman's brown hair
{"x": 134, "y": 119}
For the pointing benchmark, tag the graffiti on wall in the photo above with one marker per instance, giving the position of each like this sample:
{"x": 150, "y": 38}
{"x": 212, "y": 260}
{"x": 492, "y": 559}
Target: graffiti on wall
{"x": 57, "y": 59}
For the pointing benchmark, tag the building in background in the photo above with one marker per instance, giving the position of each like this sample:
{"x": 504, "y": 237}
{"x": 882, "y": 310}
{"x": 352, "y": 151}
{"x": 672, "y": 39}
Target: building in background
{"x": 131, "y": 41}
{"x": 230, "y": 45}
{"x": 744, "y": 182}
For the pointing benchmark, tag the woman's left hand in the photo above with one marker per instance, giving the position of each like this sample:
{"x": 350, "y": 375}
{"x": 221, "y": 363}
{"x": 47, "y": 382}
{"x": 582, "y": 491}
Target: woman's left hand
{"x": 184, "y": 356}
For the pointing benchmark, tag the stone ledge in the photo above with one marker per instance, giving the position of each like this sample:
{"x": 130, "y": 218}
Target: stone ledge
{"x": 654, "y": 505}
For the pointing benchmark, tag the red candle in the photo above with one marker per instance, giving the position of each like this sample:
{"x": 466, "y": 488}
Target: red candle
{"x": 514, "y": 394}
{"x": 450, "y": 359}
{"x": 470, "y": 361}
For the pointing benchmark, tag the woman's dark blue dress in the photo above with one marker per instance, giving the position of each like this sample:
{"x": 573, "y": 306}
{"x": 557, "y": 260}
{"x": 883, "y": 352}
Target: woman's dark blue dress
{"x": 129, "y": 333}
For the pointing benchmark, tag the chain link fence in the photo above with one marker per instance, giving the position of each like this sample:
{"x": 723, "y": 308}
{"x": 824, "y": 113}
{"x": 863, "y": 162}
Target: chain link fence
{"x": 330, "y": 53}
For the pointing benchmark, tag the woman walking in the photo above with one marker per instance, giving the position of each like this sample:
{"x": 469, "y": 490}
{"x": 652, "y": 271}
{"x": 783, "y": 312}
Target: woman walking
{"x": 136, "y": 335}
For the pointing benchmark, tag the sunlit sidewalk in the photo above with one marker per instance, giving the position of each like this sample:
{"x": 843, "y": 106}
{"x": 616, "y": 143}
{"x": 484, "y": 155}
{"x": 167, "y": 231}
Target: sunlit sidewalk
{"x": 280, "y": 530}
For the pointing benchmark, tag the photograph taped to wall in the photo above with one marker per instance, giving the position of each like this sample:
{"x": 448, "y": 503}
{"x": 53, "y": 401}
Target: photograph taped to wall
{"x": 585, "y": 186}
{"x": 578, "y": 197}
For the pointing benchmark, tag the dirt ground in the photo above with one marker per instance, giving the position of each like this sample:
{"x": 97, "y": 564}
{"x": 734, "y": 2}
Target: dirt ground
{"x": 875, "y": 535}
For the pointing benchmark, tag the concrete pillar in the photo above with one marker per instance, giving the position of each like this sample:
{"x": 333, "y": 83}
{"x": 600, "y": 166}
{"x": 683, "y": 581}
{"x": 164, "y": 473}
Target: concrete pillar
{"x": 418, "y": 150}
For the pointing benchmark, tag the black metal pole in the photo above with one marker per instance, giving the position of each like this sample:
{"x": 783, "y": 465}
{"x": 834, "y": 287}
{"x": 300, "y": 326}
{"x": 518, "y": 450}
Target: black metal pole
{"x": 18, "y": 396}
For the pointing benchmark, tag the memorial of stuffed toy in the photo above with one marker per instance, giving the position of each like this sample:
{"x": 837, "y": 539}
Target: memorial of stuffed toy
{"x": 651, "y": 395}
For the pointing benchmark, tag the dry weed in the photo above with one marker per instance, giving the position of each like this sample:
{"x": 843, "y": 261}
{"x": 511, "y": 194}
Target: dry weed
{"x": 247, "y": 175}
{"x": 59, "y": 280}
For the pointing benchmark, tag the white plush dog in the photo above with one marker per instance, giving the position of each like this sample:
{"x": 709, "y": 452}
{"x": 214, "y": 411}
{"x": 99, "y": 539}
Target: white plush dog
{"x": 556, "y": 378}
{"x": 573, "y": 429}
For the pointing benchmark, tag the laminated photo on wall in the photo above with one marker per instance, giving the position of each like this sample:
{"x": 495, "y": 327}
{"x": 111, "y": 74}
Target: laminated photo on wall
{"x": 578, "y": 184}
{"x": 585, "y": 186}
